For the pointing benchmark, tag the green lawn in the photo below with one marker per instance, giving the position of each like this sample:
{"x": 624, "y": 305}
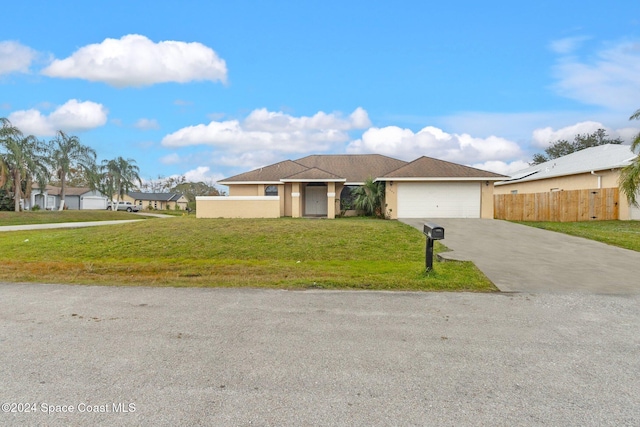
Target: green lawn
{"x": 48, "y": 217}
{"x": 284, "y": 253}
{"x": 625, "y": 234}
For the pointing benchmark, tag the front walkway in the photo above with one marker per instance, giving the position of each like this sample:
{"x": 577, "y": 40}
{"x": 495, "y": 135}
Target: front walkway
{"x": 64, "y": 225}
{"x": 518, "y": 258}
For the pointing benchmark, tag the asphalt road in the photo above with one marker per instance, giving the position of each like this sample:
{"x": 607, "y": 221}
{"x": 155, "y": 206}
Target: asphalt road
{"x": 240, "y": 357}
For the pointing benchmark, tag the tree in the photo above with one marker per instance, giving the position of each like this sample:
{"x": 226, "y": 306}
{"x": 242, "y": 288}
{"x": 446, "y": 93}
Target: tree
{"x": 193, "y": 189}
{"x": 23, "y": 161}
{"x": 162, "y": 184}
{"x": 630, "y": 175}
{"x": 369, "y": 198}
{"x": 68, "y": 155}
{"x": 563, "y": 147}
{"x": 117, "y": 177}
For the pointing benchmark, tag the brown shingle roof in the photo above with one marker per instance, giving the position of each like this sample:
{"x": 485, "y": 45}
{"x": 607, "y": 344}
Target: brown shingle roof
{"x": 353, "y": 167}
{"x": 313, "y": 174}
{"x": 69, "y": 191}
{"x": 356, "y": 168}
{"x": 427, "y": 167}
{"x": 269, "y": 173}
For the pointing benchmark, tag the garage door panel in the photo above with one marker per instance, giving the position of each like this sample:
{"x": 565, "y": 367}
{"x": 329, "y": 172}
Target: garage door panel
{"x": 439, "y": 199}
{"x": 93, "y": 203}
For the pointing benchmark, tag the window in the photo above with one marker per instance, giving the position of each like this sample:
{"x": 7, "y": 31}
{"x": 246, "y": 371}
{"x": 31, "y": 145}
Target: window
{"x": 271, "y": 190}
{"x": 347, "y": 198}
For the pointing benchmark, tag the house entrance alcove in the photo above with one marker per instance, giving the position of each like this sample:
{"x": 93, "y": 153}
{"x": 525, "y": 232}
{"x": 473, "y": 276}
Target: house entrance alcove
{"x": 315, "y": 199}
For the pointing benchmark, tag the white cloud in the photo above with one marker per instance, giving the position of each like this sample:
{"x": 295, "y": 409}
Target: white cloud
{"x": 201, "y": 174}
{"x": 611, "y": 79}
{"x": 134, "y": 60}
{"x": 271, "y": 131}
{"x": 434, "y": 142}
{"x": 543, "y": 137}
{"x": 147, "y": 124}
{"x": 567, "y": 44}
{"x": 504, "y": 168}
{"x": 15, "y": 57}
{"x": 170, "y": 159}
{"x": 248, "y": 160}
{"x": 69, "y": 117}
{"x": 269, "y": 121}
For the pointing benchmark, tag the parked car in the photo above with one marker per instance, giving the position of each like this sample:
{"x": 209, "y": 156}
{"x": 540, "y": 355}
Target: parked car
{"x": 123, "y": 206}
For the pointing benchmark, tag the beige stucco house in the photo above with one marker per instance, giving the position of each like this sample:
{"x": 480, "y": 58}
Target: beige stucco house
{"x": 157, "y": 201}
{"x": 592, "y": 168}
{"x": 320, "y": 186}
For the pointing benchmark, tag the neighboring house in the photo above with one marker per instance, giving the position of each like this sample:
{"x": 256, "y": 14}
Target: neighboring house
{"x": 589, "y": 169}
{"x": 76, "y": 198}
{"x": 320, "y": 186}
{"x": 158, "y": 201}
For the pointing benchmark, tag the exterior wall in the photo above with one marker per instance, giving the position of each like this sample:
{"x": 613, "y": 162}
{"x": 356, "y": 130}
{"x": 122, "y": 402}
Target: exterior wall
{"x": 634, "y": 212}
{"x": 286, "y": 197}
{"x": 238, "y": 207}
{"x": 486, "y": 200}
{"x": 246, "y": 190}
{"x": 331, "y": 200}
{"x": 609, "y": 179}
{"x": 391, "y": 199}
{"x": 296, "y": 200}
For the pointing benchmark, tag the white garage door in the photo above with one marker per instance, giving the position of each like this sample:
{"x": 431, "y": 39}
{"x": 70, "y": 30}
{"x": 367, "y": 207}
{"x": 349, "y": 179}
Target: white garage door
{"x": 439, "y": 199}
{"x": 93, "y": 202}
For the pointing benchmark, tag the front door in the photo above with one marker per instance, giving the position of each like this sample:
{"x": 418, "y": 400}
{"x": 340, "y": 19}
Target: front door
{"x": 315, "y": 200}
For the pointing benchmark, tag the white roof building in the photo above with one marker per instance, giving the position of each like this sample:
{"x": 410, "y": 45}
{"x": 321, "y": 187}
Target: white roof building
{"x": 602, "y": 157}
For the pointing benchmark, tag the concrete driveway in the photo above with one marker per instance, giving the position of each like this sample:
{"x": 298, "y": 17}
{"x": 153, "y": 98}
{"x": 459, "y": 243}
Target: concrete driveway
{"x": 518, "y": 258}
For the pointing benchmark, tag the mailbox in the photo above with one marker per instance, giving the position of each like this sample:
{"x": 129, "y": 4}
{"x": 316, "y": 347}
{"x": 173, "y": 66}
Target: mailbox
{"x": 433, "y": 231}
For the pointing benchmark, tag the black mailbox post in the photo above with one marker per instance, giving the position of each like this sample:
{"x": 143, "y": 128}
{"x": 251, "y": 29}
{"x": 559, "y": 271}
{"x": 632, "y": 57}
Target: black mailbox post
{"x": 433, "y": 232}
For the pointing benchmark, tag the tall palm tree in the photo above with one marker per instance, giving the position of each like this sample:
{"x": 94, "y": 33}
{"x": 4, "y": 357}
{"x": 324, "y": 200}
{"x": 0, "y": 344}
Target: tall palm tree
{"x": 7, "y": 130}
{"x": 630, "y": 175}
{"x": 24, "y": 160}
{"x": 67, "y": 154}
{"x": 120, "y": 176}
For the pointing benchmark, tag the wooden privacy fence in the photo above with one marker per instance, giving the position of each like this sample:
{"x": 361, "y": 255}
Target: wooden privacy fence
{"x": 558, "y": 206}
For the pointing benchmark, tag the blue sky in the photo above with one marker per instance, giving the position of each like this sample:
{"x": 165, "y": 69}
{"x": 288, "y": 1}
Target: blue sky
{"x": 209, "y": 89}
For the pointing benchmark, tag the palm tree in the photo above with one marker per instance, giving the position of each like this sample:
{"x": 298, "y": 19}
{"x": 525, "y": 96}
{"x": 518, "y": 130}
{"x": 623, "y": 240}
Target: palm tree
{"x": 630, "y": 175}
{"x": 369, "y": 198}
{"x": 6, "y": 130}
{"x": 23, "y": 161}
{"x": 68, "y": 154}
{"x": 119, "y": 176}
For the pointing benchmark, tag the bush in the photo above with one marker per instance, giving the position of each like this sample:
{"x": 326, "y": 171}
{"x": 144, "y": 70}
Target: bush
{"x": 35, "y": 208}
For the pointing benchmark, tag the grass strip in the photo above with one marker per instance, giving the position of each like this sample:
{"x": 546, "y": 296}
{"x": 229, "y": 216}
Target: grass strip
{"x": 624, "y": 234}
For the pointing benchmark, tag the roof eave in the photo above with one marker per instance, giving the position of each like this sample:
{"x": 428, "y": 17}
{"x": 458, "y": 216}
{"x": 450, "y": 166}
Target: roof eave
{"x": 248, "y": 182}
{"x": 442, "y": 178}
{"x": 314, "y": 180}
